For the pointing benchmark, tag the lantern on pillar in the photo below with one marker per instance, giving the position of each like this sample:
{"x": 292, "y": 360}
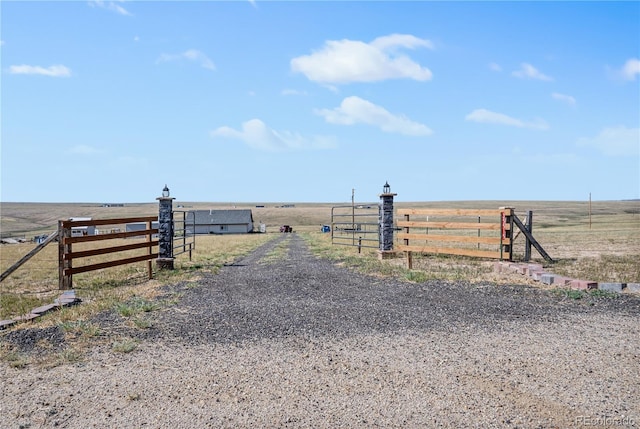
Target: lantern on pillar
{"x": 386, "y": 189}
{"x": 165, "y": 192}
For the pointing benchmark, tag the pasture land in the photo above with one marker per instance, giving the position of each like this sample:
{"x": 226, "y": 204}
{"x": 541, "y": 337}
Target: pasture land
{"x": 564, "y": 228}
{"x": 602, "y": 247}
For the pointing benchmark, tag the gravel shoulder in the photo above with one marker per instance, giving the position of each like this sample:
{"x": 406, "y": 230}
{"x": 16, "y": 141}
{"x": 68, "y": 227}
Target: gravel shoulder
{"x": 283, "y": 339}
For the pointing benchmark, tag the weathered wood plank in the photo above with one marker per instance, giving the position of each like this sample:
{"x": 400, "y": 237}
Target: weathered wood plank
{"x": 92, "y": 267}
{"x": 115, "y": 221}
{"x": 450, "y": 238}
{"x": 106, "y": 250}
{"x": 29, "y": 255}
{"x": 450, "y": 225}
{"x": 451, "y": 212}
{"x": 110, "y": 236}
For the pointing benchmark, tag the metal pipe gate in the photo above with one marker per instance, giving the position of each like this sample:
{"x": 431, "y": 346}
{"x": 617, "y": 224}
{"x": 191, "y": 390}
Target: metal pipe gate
{"x": 356, "y": 225}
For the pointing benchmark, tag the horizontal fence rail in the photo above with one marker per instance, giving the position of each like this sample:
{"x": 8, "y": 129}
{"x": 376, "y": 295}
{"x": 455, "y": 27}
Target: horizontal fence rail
{"x": 356, "y": 225}
{"x": 67, "y": 255}
{"x": 463, "y": 232}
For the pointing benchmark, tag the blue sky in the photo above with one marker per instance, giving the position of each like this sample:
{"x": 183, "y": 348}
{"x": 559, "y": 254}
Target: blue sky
{"x": 106, "y": 101}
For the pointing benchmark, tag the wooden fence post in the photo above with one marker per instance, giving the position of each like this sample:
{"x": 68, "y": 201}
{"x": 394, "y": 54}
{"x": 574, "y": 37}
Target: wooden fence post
{"x": 406, "y": 243}
{"x": 531, "y": 238}
{"x": 150, "y": 250}
{"x": 65, "y": 281}
{"x": 527, "y": 242}
{"x": 507, "y": 233}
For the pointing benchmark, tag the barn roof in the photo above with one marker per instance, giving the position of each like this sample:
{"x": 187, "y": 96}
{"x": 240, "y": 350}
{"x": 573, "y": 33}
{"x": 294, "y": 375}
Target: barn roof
{"x": 221, "y": 217}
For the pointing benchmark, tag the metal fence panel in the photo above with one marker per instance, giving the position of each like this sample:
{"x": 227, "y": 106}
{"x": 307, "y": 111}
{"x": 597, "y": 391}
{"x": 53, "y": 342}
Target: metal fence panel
{"x": 356, "y": 225}
{"x": 184, "y": 232}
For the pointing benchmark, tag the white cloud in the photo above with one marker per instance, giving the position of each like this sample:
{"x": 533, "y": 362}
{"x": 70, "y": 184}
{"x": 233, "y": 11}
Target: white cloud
{"x": 257, "y": 135}
{"x": 488, "y": 117}
{"x": 195, "y": 55}
{"x": 52, "y": 71}
{"x": 495, "y": 67}
{"x": 355, "y": 110}
{"x": 630, "y": 69}
{"x": 527, "y": 71}
{"x": 393, "y": 41}
{"x": 189, "y": 55}
{"x": 615, "y": 141}
{"x": 110, "y": 5}
{"x": 345, "y": 61}
{"x": 564, "y": 98}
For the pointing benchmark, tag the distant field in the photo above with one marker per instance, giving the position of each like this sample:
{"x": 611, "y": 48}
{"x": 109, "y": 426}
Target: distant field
{"x": 603, "y": 247}
{"x": 28, "y": 219}
{"x": 564, "y": 228}
{"x": 550, "y": 217}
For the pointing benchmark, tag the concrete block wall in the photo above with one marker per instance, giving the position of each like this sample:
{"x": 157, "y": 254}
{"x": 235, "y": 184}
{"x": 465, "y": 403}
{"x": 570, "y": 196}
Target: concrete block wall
{"x": 537, "y": 273}
{"x": 67, "y": 299}
{"x": 633, "y": 287}
{"x": 612, "y": 287}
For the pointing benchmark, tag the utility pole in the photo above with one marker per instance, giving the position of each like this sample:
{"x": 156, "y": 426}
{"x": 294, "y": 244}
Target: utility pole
{"x": 589, "y": 210}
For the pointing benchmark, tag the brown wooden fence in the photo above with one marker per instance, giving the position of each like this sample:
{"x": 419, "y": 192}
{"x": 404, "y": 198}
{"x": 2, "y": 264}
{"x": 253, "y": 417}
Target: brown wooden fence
{"x": 467, "y": 232}
{"x": 66, "y": 255}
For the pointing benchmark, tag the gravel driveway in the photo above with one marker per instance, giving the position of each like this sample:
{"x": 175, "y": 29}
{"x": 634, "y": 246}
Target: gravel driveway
{"x": 283, "y": 339}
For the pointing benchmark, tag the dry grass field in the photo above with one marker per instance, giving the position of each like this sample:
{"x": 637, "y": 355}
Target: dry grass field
{"x": 603, "y": 247}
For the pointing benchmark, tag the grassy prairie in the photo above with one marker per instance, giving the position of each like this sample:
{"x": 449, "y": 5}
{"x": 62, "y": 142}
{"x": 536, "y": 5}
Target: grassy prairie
{"x": 603, "y": 247}
{"x": 36, "y": 282}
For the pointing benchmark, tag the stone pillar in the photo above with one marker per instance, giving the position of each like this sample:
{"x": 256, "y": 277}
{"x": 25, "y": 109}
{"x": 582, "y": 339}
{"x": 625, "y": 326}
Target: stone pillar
{"x": 165, "y": 234}
{"x": 385, "y": 218}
